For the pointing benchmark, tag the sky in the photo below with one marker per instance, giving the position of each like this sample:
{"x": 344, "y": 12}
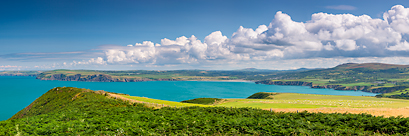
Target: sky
{"x": 201, "y": 34}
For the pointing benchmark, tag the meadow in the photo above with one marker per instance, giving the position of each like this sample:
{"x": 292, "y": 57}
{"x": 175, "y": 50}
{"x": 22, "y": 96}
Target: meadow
{"x": 293, "y": 102}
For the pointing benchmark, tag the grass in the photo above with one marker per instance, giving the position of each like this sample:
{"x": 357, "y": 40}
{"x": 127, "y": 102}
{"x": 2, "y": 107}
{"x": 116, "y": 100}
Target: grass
{"x": 399, "y": 79}
{"x": 169, "y": 103}
{"x": 292, "y": 100}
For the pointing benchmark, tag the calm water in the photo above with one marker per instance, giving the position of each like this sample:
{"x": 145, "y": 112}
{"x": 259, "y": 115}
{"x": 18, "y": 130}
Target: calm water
{"x": 19, "y": 92}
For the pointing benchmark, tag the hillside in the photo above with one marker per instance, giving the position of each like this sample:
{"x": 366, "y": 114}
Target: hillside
{"x": 368, "y": 77}
{"x": 154, "y": 75}
{"x": 73, "y": 111}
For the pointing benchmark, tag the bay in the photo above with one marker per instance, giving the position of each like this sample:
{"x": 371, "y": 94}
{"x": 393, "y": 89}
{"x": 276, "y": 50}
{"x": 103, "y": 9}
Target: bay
{"x": 18, "y": 92}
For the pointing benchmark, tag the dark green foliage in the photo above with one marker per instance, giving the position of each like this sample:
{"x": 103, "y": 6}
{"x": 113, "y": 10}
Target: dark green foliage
{"x": 262, "y": 95}
{"x": 94, "y": 114}
{"x": 202, "y": 100}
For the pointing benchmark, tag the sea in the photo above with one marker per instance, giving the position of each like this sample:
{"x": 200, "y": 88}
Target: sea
{"x": 17, "y": 92}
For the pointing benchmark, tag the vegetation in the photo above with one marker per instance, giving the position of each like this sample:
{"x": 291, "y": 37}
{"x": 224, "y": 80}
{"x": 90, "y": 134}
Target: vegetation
{"x": 160, "y": 102}
{"x": 262, "y": 95}
{"x": 73, "y": 111}
{"x": 247, "y": 74}
{"x": 368, "y": 77}
{"x": 206, "y": 101}
{"x": 293, "y": 100}
{"x": 400, "y": 94}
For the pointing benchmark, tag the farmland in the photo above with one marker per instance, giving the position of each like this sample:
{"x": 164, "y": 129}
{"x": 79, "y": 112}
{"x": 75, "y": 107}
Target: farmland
{"x": 290, "y": 102}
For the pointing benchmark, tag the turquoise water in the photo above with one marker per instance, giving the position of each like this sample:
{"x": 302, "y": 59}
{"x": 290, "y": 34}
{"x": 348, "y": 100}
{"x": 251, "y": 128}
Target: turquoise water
{"x": 19, "y": 92}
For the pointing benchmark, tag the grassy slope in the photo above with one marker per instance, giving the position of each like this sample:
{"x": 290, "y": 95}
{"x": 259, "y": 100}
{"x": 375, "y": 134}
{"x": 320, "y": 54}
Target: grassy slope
{"x": 53, "y": 100}
{"x": 168, "y": 103}
{"x": 73, "y": 111}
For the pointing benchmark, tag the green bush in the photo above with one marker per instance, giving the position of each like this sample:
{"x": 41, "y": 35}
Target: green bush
{"x": 206, "y": 101}
{"x": 262, "y": 95}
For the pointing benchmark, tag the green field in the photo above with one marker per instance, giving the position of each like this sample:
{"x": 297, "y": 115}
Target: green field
{"x": 357, "y": 84}
{"x": 292, "y": 100}
{"x": 397, "y": 92}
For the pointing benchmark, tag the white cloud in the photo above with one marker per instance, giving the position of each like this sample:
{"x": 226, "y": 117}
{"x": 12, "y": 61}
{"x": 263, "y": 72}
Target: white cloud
{"x": 398, "y": 18}
{"x": 324, "y": 36}
{"x": 346, "y": 45}
{"x": 402, "y": 46}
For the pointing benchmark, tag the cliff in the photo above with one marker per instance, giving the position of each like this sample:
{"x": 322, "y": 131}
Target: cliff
{"x": 96, "y": 78}
{"x": 335, "y": 87}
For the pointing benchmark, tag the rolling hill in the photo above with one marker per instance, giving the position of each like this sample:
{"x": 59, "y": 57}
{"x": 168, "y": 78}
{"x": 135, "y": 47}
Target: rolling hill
{"x": 368, "y": 77}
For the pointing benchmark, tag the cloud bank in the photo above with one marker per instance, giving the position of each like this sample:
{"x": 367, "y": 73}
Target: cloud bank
{"x": 324, "y": 36}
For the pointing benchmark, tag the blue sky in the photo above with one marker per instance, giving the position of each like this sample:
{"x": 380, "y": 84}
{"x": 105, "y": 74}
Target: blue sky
{"x": 95, "y": 34}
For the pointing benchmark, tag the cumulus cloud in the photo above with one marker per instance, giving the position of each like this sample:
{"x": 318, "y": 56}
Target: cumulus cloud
{"x": 324, "y": 36}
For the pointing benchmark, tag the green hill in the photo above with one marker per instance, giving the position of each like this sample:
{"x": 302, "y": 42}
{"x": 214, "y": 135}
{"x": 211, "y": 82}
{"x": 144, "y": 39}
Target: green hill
{"x": 73, "y": 111}
{"x": 367, "y": 77}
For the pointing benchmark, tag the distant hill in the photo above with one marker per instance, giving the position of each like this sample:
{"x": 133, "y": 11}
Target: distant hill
{"x": 368, "y": 77}
{"x": 20, "y": 73}
{"x": 269, "y": 70}
{"x": 156, "y": 75}
{"x": 373, "y": 66}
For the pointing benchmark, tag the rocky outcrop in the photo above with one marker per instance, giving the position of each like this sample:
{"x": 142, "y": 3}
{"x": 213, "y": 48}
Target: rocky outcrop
{"x": 335, "y": 87}
{"x": 96, "y": 78}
